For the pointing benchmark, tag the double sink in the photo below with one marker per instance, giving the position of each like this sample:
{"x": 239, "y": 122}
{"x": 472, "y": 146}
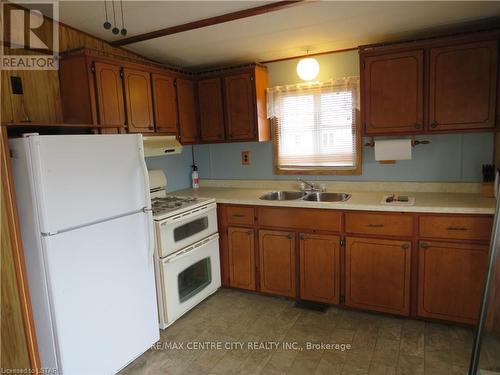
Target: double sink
{"x": 314, "y": 196}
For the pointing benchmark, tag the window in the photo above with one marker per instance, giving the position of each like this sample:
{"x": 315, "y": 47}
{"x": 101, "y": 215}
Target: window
{"x": 316, "y": 130}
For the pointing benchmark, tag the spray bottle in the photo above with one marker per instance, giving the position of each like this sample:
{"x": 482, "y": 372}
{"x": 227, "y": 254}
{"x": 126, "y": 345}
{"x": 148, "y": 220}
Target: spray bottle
{"x": 195, "y": 178}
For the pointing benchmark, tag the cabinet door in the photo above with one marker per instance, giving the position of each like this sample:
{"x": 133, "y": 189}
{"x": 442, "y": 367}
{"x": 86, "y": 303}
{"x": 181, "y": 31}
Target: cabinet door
{"x": 187, "y": 109}
{"x": 240, "y": 107}
{"x": 277, "y": 262}
{"x": 378, "y": 275}
{"x": 138, "y": 101}
{"x": 211, "y": 111}
{"x": 463, "y": 86}
{"x": 319, "y": 268}
{"x": 241, "y": 258}
{"x": 165, "y": 104}
{"x": 109, "y": 94}
{"x": 451, "y": 280}
{"x": 393, "y": 93}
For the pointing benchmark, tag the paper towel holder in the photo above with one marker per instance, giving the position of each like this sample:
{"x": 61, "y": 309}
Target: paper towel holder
{"x": 413, "y": 143}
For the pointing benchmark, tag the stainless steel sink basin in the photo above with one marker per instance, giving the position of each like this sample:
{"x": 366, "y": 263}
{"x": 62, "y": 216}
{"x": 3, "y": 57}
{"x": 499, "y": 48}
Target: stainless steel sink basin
{"x": 326, "y": 197}
{"x": 282, "y": 195}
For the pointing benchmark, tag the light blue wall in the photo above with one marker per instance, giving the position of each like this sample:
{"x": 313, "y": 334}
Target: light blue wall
{"x": 449, "y": 157}
{"x": 176, "y": 167}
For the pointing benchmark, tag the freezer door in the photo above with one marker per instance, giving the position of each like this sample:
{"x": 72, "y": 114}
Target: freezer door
{"x": 102, "y": 294}
{"x": 82, "y": 179}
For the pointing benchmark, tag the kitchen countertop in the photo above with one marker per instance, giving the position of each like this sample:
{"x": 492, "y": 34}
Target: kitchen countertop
{"x": 453, "y": 203}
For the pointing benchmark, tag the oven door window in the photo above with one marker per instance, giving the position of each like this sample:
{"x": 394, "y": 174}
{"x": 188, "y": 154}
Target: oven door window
{"x": 194, "y": 279}
{"x": 191, "y": 228}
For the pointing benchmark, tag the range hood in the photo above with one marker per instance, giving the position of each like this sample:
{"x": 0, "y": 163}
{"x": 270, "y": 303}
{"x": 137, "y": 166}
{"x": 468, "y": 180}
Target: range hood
{"x": 159, "y": 145}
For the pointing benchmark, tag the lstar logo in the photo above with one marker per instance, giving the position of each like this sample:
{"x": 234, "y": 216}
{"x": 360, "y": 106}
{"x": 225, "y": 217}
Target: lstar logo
{"x": 30, "y": 35}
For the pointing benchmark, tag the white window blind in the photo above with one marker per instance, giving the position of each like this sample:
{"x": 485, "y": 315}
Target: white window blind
{"x": 315, "y": 125}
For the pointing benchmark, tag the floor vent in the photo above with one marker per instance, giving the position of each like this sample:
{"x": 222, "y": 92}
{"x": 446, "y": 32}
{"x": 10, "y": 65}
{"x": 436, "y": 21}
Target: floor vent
{"x": 308, "y": 305}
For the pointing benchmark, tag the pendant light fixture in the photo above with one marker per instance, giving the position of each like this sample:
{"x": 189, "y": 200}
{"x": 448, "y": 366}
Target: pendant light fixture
{"x": 308, "y": 68}
{"x": 106, "y": 24}
{"x": 114, "y": 27}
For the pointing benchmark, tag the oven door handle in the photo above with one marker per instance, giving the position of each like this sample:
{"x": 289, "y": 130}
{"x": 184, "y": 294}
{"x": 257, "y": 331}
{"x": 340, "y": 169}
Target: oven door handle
{"x": 188, "y": 250}
{"x": 187, "y": 215}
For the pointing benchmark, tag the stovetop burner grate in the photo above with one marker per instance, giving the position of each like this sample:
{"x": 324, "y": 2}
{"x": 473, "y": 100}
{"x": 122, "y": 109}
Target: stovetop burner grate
{"x": 170, "y": 203}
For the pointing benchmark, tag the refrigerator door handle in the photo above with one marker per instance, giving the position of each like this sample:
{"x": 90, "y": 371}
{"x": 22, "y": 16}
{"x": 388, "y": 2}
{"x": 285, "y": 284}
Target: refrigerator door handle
{"x": 147, "y": 209}
{"x": 150, "y": 235}
{"x": 144, "y": 168}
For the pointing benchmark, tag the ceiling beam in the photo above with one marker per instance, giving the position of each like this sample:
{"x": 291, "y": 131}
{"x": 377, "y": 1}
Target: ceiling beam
{"x": 272, "y": 7}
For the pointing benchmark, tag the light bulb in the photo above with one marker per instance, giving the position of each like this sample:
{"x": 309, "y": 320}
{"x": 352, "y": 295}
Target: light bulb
{"x": 308, "y": 68}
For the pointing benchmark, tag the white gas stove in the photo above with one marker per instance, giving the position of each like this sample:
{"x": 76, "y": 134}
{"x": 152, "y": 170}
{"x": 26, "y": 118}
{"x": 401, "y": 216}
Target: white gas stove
{"x": 187, "y": 262}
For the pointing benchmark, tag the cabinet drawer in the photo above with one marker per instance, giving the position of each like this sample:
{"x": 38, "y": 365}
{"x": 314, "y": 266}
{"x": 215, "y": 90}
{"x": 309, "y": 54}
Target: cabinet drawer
{"x": 300, "y": 218}
{"x": 382, "y": 224}
{"x": 241, "y": 215}
{"x": 456, "y": 227}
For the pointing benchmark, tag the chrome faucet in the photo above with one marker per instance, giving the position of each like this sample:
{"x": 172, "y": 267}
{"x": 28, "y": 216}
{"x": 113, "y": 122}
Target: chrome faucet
{"x": 312, "y": 187}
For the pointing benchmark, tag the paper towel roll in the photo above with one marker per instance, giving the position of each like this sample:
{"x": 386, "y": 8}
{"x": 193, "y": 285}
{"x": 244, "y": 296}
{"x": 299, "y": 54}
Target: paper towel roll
{"x": 393, "y": 149}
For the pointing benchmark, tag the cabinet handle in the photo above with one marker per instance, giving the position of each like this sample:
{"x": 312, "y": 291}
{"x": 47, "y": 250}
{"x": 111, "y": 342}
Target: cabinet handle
{"x": 405, "y": 246}
{"x": 456, "y": 228}
{"x": 424, "y": 245}
{"x": 302, "y": 237}
{"x": 434, "y": 124}
{"x": 418, "y": 126}
{"x": 375, "y": 225}
{"x": 238, "y": 215}
{"x": 289, "y": 236}
{"x": 249, "y": 232}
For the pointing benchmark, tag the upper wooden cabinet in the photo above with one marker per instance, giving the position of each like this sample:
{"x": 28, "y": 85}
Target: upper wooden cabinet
{"x": 245, "y": 105}
{"x": 277, "y": 262}
{"x": 188, "y": 115}
{"x": 436, "y": 85}
{"x": 218, "y": 106}
{"x": 211, "y": 110}
{"x": 240, "y": 107}
{"x": 320, "y": 268}
{"x": 165, "y": 103}
{"x": 137, "y": 85}
{"x": 109, "y": 94}
{"x": 393, "y": 92}
{"x": 462, "y": 92}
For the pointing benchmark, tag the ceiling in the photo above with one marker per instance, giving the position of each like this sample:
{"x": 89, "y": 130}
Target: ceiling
{"x": 316, "y": 26}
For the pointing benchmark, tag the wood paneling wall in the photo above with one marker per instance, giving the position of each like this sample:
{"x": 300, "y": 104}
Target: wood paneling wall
{"x": 41, "y": 102}
{"x": 19, "y": 348}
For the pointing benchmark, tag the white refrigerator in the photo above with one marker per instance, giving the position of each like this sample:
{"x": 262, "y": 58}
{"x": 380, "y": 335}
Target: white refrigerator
{"x": 86, "y": 224}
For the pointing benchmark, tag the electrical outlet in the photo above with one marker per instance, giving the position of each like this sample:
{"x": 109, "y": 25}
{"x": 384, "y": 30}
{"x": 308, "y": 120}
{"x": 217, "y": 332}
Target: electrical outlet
{"x": 245, "y": 157}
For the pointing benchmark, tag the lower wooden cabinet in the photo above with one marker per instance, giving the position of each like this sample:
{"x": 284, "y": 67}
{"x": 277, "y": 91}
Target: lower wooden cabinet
{"x": 377, "y": 275}
{"x": 277, "y": 262}
{"x": 320, "y": 268}
{"x": 404, "y": 267}
{"x": 241, "y": 258}
{"x": 451, "y": 280}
